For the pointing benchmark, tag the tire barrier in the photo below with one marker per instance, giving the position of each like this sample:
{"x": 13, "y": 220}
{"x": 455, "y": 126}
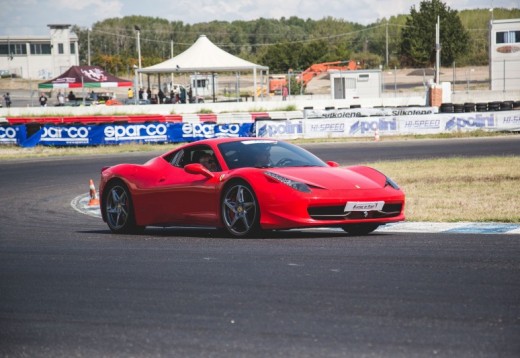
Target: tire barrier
{"x": 469, "y": 107}
{"x": 481, "y": 107}
{"x": 446, "y": 108}
{"x": 494, "y": 106}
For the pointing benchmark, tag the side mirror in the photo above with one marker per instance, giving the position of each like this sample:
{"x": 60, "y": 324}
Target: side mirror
{"x": 330, "y": 163}
{"x": 196, "y": 168}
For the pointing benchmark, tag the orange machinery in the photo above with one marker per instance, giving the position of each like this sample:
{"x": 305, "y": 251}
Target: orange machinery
{"x": 276, "y": 82}
{"x": 318, "y": 68}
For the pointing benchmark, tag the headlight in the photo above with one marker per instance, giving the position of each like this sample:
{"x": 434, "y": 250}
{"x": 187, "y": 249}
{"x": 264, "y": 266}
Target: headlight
{"x": 392, "y": 183}
{"x": 292, "y": 183}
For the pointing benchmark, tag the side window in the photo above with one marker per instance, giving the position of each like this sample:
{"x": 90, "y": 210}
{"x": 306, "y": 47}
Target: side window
{"x": 204, "y": 155}
{"x": 194, "y": 155}
{"x": 178, "y": 159}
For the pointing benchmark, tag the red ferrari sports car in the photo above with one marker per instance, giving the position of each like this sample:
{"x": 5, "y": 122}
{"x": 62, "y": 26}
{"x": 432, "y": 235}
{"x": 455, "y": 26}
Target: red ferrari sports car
{"x": 245, "y": 185}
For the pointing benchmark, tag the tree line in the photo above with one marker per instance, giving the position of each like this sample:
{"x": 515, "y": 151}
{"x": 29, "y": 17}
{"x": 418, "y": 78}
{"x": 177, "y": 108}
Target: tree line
{"x": 292, "y": 43}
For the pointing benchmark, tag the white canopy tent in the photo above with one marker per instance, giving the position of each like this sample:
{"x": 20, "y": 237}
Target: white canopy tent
{"x": 205, "y": 56}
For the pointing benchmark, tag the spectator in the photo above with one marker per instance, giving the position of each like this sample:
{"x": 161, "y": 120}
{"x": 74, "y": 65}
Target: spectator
{"x": 61, "y": 99}
{"x": 285, "y": 93}
{"x": 43, "y": 100}
{"x": 141, "y": 91}
{"x": 7, "y": 99}
{"x": 161, "y": 96}
{"x": 190, "y": 95}
{"x": 71, "y": 96}
{"x": 183, "y": 95}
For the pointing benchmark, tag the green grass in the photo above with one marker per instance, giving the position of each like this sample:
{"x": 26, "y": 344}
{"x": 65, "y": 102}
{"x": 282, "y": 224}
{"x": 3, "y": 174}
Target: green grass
{"x": 481, "y": 189}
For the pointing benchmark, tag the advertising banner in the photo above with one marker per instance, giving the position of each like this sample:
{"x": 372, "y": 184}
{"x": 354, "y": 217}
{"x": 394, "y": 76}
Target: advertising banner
{"x": 369, "y": 112}
{"x": 469, "y": 121}
{"x": 30, "y": 135}
{"x": 107, "y": 134}
{"x": 325, "y": 128}
{"x": 187, "y": 132}
{"x": 12, "y": 134}
{"x": 509, "y": 120}
{"x": 282, "y": 129}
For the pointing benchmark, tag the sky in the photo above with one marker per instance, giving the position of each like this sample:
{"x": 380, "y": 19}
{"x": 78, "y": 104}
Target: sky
{"x": 31, "y": 17}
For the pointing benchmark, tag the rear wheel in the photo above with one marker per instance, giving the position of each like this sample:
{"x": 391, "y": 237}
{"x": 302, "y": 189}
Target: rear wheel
{"x": 240, "y": 211}
{"x": 360, "y": 229}
{"x": 118, "y": 208}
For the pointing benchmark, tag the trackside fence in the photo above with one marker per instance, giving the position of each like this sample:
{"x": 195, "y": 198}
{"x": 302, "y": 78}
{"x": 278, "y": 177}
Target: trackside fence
{"x": 309, "y": 123}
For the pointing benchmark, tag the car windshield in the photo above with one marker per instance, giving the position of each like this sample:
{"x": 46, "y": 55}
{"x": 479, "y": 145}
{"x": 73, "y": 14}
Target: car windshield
{"x": 267, "y": 154}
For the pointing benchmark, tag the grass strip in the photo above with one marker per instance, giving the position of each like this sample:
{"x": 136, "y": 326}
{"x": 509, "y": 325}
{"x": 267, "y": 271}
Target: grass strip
{"x": 481, "y": 189}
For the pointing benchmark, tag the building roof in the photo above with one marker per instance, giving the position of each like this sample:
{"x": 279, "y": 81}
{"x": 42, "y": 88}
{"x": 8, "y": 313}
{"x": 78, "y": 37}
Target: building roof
{"x": 85, "y": 76}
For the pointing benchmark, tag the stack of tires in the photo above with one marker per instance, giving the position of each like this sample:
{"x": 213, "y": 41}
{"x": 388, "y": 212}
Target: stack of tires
{"x": 494, "y": 106}
{"x": 446, "y": 108}
{"x": 482, "y": 107}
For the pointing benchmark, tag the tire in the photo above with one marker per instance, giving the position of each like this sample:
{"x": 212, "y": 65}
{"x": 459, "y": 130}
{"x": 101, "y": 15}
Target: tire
{"x": 360, "y": 229}
{"x": 240, "y": 210}
{"x": 118, "y": 208}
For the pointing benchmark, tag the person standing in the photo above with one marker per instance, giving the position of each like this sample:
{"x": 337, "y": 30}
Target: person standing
{"x": 130, "y": 93}
{"x": 7, "y": 99}
{"x": 285, "y": 93}
{"x": 61, "y": 99}
{"x": 161, "y": 96}
{"x": 43, "y": 100}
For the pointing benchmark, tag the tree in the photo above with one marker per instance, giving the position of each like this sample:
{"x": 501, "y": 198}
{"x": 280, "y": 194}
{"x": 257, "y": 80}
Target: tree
{"x": 418, "y": 37}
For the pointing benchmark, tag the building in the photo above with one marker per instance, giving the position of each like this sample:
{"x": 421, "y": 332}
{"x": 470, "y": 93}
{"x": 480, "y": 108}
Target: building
{"x": 504, "y": 54}
{"x": 204, "y": 85}
{"x": 355, "y": 84}
{"x": 39, "y": 57}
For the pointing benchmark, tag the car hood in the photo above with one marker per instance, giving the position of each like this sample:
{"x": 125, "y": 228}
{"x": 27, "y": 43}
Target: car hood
{"x": 333, "y": 178}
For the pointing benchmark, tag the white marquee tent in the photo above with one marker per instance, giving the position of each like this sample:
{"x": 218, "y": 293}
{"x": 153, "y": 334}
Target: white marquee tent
{"x": 205, "y": 56}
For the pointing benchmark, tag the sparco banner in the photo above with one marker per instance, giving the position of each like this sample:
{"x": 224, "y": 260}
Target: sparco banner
{"x": 106, "y": 134}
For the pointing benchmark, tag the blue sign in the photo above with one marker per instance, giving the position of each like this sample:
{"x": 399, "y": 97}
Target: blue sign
{"x": 106, "y": 134}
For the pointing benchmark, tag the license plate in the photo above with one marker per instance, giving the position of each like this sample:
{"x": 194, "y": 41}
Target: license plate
{"x": 364, "y": 205}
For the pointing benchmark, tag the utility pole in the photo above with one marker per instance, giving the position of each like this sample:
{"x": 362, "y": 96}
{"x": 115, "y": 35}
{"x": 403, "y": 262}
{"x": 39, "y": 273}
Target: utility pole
{"x": 88, "y": 46}
{"x": 138, "y": 29}
{"x": 438, "y": 51}
{"x": 387, "y": 43}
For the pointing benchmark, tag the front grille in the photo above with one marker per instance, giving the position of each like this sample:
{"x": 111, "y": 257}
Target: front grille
{"x": 338, "y": 213}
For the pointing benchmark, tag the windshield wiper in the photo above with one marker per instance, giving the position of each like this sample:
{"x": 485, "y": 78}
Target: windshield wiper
{"x": 263, "y": 166}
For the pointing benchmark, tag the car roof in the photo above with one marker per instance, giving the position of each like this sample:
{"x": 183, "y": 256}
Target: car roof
{"x": 214, "y": 142}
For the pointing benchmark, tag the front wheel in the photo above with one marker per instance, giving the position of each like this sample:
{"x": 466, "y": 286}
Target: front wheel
{"x": 240, "y": 211}
{"x": 360, "y": 229}
{"x": 118, "y": 208}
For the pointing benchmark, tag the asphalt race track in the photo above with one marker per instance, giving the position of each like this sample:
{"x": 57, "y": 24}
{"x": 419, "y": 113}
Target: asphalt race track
{"x": 68, "y": 287}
